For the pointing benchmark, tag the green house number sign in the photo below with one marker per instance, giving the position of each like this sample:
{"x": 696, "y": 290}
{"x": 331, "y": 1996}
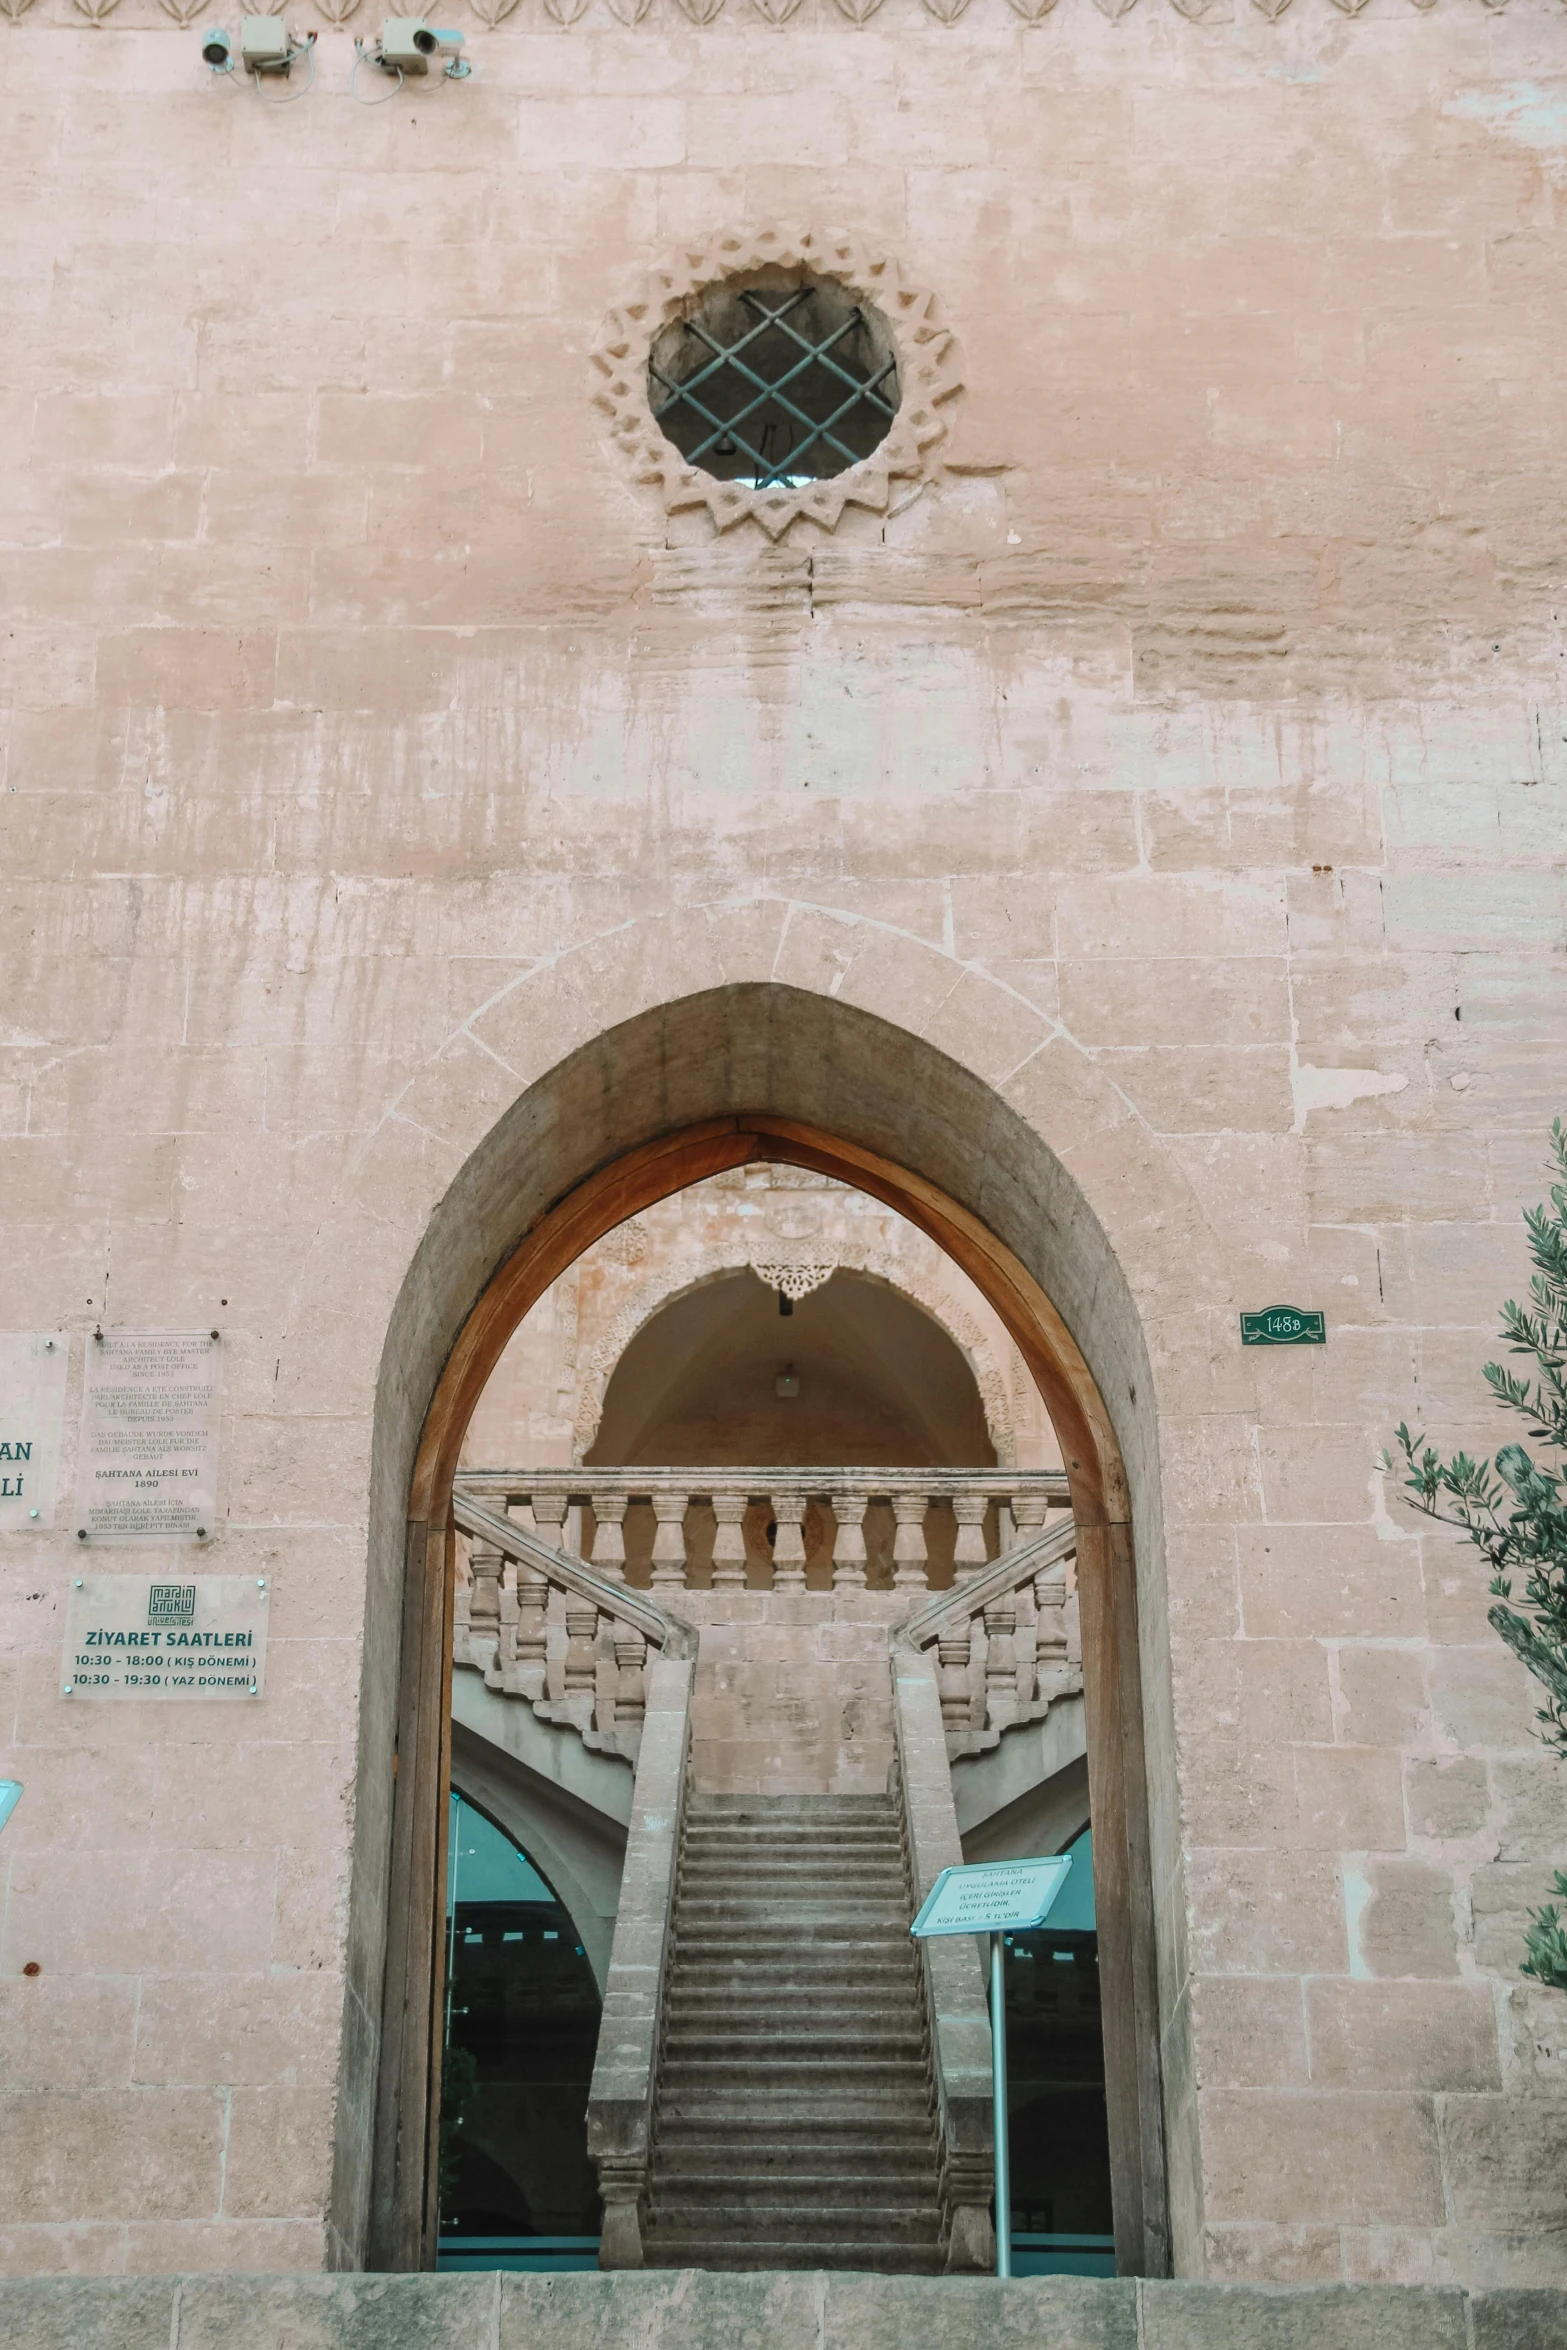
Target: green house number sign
{"x": 1284, "y": 1326}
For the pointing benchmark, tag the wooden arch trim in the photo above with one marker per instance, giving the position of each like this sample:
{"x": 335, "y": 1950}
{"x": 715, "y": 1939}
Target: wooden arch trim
{"x": 404, "y": 2214}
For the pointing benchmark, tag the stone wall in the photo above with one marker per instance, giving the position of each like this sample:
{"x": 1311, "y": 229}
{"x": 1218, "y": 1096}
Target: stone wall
{"x": 694, "y": 2311}
{"x": 1183, "y": 758}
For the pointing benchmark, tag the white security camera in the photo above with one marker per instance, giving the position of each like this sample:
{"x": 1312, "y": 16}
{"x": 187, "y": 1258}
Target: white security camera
{"x": 408, "y": 44}
{"x": 217, "y": 50}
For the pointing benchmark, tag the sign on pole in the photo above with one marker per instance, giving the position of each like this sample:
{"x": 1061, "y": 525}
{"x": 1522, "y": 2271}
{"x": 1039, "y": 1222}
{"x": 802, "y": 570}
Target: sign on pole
{"x": 1000, "y": 1897}
{"x": 996, "y": 1898}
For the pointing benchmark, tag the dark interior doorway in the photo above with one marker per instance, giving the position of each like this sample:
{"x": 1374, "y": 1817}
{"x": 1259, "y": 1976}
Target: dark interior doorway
{"x": 1061, "y": 2212}
{"x": 517, "y": 2187}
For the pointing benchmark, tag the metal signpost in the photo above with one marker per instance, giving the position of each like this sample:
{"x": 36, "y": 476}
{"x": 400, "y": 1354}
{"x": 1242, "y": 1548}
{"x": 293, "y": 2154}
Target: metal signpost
{"x": 1002, "y": 1897}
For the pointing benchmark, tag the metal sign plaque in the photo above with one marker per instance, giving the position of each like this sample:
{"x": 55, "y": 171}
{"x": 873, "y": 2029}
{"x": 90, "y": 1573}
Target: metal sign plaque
{"x": 166, "y": 1636}
{"x": 1002, "y": 1897}
{"x": 147, "y": 1461}
{"x": 1284, "y": 1326}
{"x": 32, "y": 1410}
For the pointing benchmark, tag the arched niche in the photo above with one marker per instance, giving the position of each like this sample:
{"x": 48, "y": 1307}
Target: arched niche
{"x": 679, "y": 1092}
{"x": 937, "y": 1414}
{"x": 649, "y": 1299}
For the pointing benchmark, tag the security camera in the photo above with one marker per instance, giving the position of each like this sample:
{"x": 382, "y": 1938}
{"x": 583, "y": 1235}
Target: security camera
{"x": 217, "y": 50}
{"x": 408, "y": 44}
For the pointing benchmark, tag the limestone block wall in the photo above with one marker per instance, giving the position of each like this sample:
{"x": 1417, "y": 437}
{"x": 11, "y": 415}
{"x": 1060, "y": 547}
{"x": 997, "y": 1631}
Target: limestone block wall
{"x": 1186, "y": 758}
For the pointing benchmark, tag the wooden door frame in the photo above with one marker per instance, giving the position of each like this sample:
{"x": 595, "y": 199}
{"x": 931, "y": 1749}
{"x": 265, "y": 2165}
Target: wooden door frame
{"x": 403, "y": 2215}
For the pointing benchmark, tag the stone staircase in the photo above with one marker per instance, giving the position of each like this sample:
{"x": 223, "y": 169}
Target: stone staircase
{"x": 793, "y": 2123}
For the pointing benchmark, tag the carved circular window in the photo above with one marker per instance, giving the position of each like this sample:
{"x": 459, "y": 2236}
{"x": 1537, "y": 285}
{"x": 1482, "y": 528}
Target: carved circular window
{"x": 776, "y": 375}
{"x": 775, "y": 381}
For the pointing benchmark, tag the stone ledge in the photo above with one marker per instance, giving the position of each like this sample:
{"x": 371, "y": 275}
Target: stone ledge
{"x": 770, "y": 2310}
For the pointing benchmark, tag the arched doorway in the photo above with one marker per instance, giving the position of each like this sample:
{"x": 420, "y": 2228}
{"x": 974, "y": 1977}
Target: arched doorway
{"x": 711, "y": 1082}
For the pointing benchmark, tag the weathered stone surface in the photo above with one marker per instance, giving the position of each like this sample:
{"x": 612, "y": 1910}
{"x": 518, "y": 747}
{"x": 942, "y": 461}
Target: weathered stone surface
{"x": 1520, "y": 2318}
{"x": 88, "y": 2313}
{"x": 1054, "y": 2313}
{"x": 336, "y": 2313}
{"x": 1301, "y": 2317}
{"x": 694, "y": 2309}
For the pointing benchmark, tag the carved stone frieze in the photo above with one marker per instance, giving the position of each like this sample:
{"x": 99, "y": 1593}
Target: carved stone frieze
{"x": 928, "y": 376}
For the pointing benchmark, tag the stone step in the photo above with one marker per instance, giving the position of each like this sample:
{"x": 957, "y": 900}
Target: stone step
{"x": 700, "y": 1869}
{"x": 799, "y": 2118}
{"x": 762, "y": 2042}
{"x": 827, "y": 2174}
{"x": 794, "y": 2019}
{"x": 757, "y": 1910}
{"x": 775, "y": 1806}
{"x": 696, "y": 2087}
{"x": 679, "y": 2250}
{"x": 784, "y": 2223}
{"x": 793, "y": 1841}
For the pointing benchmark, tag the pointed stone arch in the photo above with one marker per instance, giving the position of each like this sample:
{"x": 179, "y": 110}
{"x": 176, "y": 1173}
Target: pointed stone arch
{"x": 681, "y": 1089}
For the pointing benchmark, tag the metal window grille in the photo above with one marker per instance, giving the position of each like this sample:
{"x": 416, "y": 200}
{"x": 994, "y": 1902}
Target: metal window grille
{"x": 775, "y": 386}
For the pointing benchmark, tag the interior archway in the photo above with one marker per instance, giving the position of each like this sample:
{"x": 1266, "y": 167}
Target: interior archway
{"x": 874, "y": 1380}
{"x": 711, "y": 1082}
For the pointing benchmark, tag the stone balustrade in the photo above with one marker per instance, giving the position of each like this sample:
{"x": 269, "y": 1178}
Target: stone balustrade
{"x": 984, "y": 1558}
{"x": 816, "y": 1529}
{"x": 552, "y": 1629}
{"x": 1008, "y": 1639}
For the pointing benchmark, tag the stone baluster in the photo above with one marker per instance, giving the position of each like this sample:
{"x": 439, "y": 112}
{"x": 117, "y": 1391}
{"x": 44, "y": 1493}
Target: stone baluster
{"x": 609, "y": 1534}
{"x": 501, "y": 1673}
{"x": 1028, "y": 1515}
{"x": 462, "y": 1602}
{"x": 532, "y": 1633}
{"x": 1050, "y": 1599}
{"x": 788, "y": 1542}
{"x": 484, "y": 1604}
{"x": 954, "y": 1650}
{"x": 582, "y": 1623}
{"x": 969, "y": 1552}
{"x": 1000, "y": 1664}
{"x": 549, "y": 1511}
{"x": 631, "y": 1683}
{"x": 729, "y": 1541}
{"x": 848, "y": 1572}
{"x": 910, "y": 1562}
{"x": 669, "y": 1542}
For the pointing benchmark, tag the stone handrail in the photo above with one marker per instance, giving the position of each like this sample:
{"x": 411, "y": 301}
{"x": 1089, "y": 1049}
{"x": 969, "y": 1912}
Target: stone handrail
{"x": 952, "y": 1984}
{"x": 596, "y": 1681}
{"x": 625, "y": 2069}
{"x": 700, "y": 1519}
{"x": 1007, "y": 1639}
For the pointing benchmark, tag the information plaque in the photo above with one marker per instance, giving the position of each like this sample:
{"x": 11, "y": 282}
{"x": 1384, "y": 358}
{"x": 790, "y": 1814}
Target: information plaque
{"x": 156, "y": 1636}
{"x": 1000, "y": 1897}
{"x": 32, "y": 1411}
{"x": 1285, "y": 1326}
{"x": 147, "y": 1460}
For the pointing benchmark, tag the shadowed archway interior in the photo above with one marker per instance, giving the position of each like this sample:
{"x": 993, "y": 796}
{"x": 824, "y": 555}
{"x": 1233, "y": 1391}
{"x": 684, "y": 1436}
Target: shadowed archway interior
{"x": 869, "y": 1380}
{"x": 704, "y": 1083}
